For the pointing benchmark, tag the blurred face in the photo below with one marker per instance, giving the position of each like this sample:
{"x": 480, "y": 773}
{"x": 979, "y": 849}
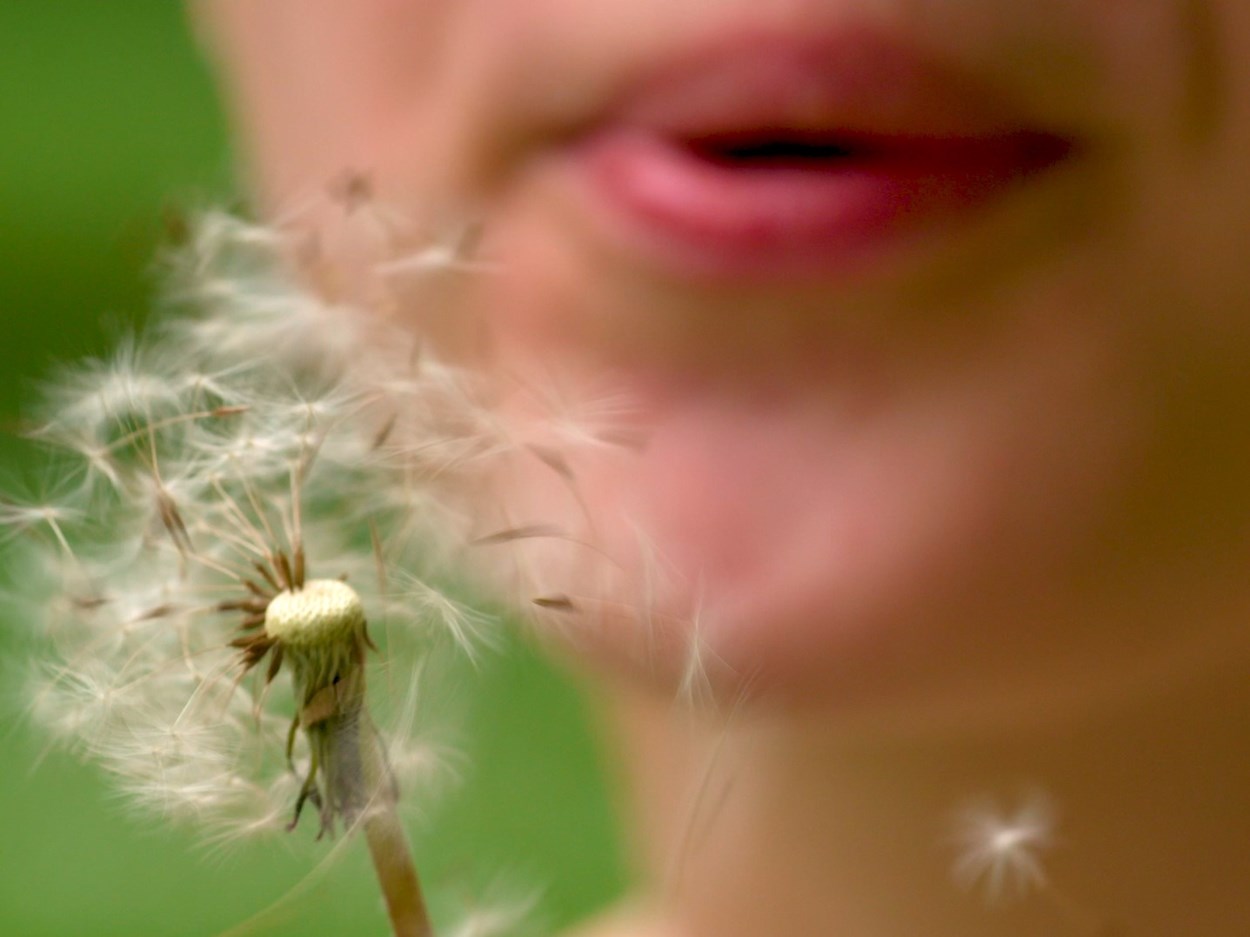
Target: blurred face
{"x": 925, "y": 318}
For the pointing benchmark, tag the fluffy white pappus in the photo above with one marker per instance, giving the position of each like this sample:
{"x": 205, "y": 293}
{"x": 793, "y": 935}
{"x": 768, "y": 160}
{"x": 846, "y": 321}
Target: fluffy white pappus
{"x": 17, "y": 518}
{"x": 233, "y": 279}
{"x": 1000, "y": 851}
{"x": 137, "y": 382}
{"x": 501, "y": 911}
{"x": 469, "y": 629}
{"x": 264, "y": 438}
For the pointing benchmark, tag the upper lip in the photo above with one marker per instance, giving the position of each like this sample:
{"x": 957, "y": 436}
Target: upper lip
{"x": 830, "y": 91}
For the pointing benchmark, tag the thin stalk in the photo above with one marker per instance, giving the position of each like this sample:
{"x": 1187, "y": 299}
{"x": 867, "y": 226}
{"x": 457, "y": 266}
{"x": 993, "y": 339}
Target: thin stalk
{"x": 397, "y": 876}
{"x": 388, "y": 846}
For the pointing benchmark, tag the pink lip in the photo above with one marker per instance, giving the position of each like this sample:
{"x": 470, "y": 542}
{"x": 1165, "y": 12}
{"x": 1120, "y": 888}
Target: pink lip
{"x": 774, "y": 156}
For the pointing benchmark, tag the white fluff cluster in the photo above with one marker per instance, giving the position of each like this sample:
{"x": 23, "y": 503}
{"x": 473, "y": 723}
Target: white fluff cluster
{"x": 1000, "y": 852}
{"x": 265, "y": 435}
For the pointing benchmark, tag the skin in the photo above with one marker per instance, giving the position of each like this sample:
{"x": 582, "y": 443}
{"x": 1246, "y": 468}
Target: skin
{"x": 983, "y": 521}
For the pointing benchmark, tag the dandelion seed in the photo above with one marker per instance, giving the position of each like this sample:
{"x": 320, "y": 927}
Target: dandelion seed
{"x": 495, "y": 919}
{"x": 454, "y": 256}
{"x": 556, "y": 603}
{"x": 1000, "y": 851}
{"x": 16, "y": 518}
{"x": 695, "y": 687}
{"x": 468, "y": 628}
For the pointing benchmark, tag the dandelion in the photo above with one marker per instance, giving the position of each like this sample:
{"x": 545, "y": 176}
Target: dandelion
{"x": 1000, "y": 851}
{"x": 239, "y": 489}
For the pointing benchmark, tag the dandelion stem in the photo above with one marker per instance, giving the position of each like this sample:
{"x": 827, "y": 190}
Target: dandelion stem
{"x": 388, "y": 845}
{"x": 397, "y": 876}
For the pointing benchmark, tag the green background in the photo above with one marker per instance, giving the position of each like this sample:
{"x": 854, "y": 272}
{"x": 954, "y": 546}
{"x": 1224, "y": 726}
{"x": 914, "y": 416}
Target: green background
{"x": 107, "y": 120}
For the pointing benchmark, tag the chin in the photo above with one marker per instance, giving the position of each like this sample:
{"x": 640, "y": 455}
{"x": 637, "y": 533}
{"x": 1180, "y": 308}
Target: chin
{"x": 756, "y": 546}
{"x": 901, "y": 534}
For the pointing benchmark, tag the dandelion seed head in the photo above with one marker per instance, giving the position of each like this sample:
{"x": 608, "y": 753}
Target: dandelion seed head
{"x": 322, "y": 612}
{"x": 212, "y": 478}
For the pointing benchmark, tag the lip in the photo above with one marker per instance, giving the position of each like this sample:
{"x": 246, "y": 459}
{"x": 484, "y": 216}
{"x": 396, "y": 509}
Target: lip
{"x": 767, "y": 155}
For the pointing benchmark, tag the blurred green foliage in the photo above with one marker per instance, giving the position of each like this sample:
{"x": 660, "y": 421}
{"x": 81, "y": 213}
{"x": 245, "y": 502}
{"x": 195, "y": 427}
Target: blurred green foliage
{"x": 108, "y": 118}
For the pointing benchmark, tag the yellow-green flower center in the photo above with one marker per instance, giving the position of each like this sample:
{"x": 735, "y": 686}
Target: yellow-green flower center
{"x": 325, "y": 611}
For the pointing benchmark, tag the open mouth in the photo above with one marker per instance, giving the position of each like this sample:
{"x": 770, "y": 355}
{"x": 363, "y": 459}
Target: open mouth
{"x": 781, "y": 154}
{"x": 775, "y": 149}
{"x": 831, "y": 152}
{"x": 778, "y": 200}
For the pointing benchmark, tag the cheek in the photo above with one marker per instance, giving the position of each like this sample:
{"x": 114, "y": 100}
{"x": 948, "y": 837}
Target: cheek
{"x": 389, "y": 89}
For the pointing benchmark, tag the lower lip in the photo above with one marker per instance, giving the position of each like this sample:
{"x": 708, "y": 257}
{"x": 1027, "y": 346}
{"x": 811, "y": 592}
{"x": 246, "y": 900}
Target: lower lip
{"x": 741, "y": 220}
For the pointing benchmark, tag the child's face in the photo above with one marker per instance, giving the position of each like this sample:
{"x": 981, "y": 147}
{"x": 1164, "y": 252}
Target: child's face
{"x": 933, "y": 312}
